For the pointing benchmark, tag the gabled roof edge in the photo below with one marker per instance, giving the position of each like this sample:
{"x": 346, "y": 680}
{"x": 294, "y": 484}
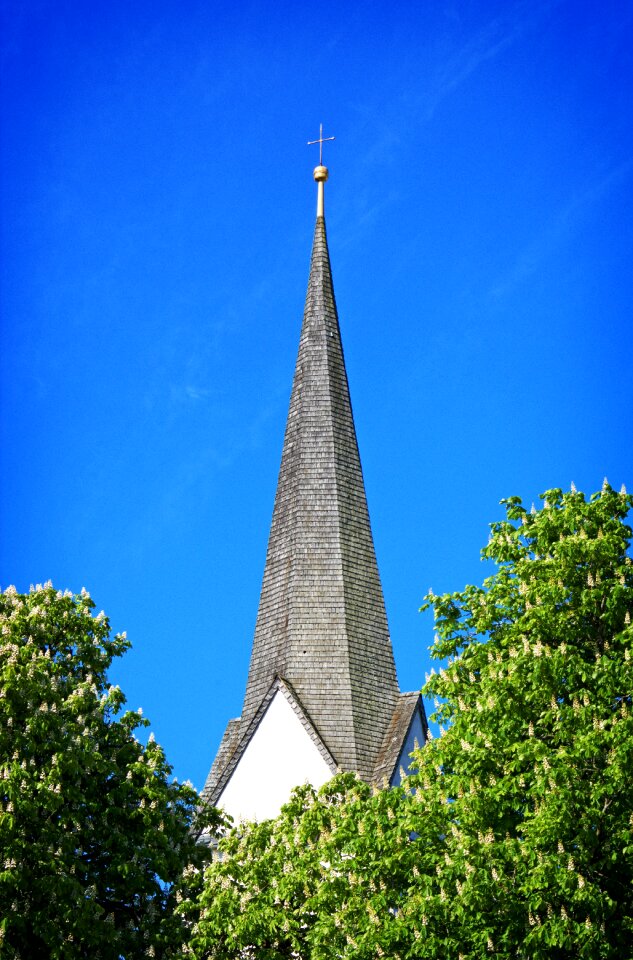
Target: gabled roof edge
{"x": 215, "y": 791}
{"x": 397, "y": 733}
{"x": 228, "y": 743}
{"x": 307, "y": 723}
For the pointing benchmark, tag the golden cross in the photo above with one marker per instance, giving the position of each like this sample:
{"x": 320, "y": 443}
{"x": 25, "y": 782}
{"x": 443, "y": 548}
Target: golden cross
{"x": 320, "y": 141}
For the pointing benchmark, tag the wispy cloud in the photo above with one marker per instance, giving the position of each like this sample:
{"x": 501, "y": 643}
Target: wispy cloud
{"x": 484, "y": 45}
{"x": 196, "y": 393}
{"x": 418, "y": 91}
{"x": 558, "y": 227}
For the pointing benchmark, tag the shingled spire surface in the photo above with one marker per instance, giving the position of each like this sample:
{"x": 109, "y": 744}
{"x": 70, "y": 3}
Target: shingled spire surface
{"x": 321, "y": 625}
{"x": 321, "y": 622}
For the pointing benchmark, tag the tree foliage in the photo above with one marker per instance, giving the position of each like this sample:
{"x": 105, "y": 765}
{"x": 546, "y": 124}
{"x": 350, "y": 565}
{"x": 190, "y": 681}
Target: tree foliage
{"x": 537, "y": 757}
{"x": 93, "y": 831}
{"x": 514, "y": 835}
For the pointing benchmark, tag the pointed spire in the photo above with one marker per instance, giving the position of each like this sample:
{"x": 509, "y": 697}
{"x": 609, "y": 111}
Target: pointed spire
{"x": 321, "y": 622}
{"x": 321, "y": 625}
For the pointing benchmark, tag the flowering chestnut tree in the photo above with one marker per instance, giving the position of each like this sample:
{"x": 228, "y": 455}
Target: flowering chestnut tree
{"x": 513, "y": 838}
{"x": 533, "y": 772}
{"x": 325, "y": 879}
{"x": 94, "y": 833}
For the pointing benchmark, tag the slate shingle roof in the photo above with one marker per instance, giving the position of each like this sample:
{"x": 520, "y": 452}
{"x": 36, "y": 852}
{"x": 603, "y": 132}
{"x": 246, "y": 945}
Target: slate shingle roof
{"x": 226, "y": 752}
{"x": 396, "y": 735}
{"x": 321, "y": 623}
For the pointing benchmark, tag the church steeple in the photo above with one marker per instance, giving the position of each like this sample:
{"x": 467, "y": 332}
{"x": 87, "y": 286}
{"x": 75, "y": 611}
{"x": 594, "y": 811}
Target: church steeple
{"x": 321, "y": 621}
{"x": 321, "y": 627}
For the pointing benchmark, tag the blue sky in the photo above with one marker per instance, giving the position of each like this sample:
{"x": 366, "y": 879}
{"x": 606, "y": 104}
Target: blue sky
{"x": 157, "y": 216}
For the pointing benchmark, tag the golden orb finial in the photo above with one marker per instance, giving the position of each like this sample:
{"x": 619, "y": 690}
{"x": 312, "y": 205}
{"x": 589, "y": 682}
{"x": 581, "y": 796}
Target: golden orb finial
{"x": 321, "y": 173}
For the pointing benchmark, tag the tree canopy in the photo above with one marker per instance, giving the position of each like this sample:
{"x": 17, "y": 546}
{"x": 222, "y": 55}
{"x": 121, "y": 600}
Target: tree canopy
{"x": 513, "y": 837}
{"x": 94, "y": 832}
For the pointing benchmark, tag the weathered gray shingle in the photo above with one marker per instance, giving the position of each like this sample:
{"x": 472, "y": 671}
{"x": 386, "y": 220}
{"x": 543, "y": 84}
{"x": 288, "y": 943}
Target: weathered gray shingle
{"x": 396, "y": 735}
{"x": 321, "y": 623}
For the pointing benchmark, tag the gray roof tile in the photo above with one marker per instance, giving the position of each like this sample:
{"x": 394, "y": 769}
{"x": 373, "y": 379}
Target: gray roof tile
{"x": 396, "y": 735}
{"x": 321, "y": 624}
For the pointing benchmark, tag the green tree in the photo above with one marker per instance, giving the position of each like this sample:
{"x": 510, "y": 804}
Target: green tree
{"x": 533, "y": 770}
{"x": 325, "y": 879}
{"x": 514, "y": 836}
{"x": 93, "y": 831}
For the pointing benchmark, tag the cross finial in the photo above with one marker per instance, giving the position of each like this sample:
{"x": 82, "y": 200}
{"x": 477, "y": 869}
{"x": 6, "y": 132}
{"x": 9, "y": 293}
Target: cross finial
{"x": 320, "y": 141}
{"x": 320, "y": 172}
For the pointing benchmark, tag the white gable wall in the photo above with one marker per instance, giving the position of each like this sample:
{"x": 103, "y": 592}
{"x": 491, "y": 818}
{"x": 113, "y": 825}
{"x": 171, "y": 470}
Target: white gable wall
{"x": 280, "y": 755}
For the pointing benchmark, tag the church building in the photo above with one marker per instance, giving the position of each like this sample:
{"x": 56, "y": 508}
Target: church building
{"x": 322, "y": 693}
